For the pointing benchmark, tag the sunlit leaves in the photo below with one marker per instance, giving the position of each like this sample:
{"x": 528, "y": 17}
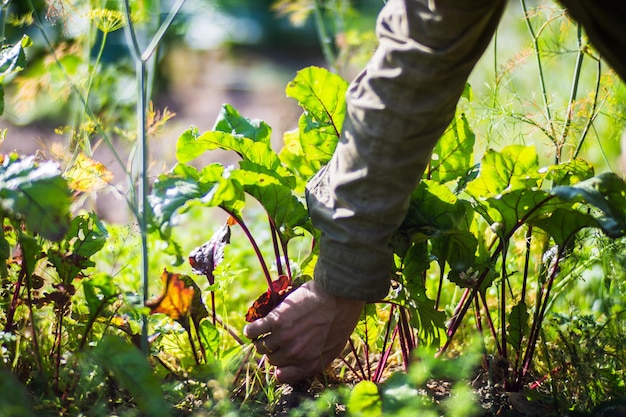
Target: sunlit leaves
{"x": 99, "y": 291}
{"x": 261, "y": 174}
{"x": 35, "y": 193}
{"x": 508, "y": 211}
{"x": 365, "y": 400}
{"x": 512, "y": 168}
{"x": 277, "y": 199}
{"x": 175, "y": 300}
{"x": 452, "y": 157}
{"x": 322, "y": 96}
{"x": 88, "y": 175}
{"x": 231, "y": 121}
{"x": 518, "y": 324}
{"x": 570, "y": 172}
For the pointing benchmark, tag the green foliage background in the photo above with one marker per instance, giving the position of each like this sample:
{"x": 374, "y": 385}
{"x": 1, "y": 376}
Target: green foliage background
{"x": 511, "y": 250}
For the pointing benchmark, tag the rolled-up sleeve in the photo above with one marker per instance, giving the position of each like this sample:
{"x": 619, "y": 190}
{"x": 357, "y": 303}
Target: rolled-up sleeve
{"x": 397, "y": 109}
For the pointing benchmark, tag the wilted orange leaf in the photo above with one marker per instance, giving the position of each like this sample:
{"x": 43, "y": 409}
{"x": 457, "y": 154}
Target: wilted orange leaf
{"x": 176, "y": 299}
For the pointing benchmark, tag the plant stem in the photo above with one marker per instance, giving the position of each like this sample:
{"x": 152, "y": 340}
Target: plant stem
{"x": 141, "y": 202}
{"x": 325, "y": 40}
{"x": 358, "y": 362}
{"x": 492, "y": 326}
{"x": 4, "y": 6}
{"x": 274, "y": 233}
{"x": 407, "y": 344}
{"x": 529, "y": 235}
{"x": 539, "y": 316}
{"x": 91, "y": 78}
{"x": 544, "y": 93}
{"x": 505, "y": 249}
{"x": 386, "y": 349}
{"x": 256, "y": 249}
{"x": 366, "y": 347}
{"x": 441, "y": 273}
{"x": 570, "y": 104}
{"x": 592, "y": 114}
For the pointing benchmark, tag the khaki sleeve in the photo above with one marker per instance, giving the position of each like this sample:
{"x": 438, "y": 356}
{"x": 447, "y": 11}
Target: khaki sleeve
{"x": 397, "y": 109}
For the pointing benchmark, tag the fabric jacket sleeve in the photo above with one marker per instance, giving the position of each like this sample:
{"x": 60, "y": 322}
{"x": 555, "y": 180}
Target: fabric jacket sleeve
{"x": 397, "y": 109}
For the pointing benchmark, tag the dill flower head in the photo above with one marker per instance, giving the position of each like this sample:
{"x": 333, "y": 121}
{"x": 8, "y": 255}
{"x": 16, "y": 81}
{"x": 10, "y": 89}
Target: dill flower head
{"x": 107, "y": 20}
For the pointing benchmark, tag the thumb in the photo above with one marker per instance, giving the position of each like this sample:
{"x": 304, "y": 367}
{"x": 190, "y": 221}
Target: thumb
{"x": 257, "y": 328}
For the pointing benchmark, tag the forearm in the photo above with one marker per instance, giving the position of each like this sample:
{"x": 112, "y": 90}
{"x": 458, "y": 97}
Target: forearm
{"x": 397, "y": 109}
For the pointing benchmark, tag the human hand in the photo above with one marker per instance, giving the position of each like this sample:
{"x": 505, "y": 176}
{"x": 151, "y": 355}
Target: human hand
{"x": 305, "y": 332}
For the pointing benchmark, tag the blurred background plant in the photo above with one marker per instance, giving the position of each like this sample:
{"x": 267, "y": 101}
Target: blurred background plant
{"x": 73, "y": 306}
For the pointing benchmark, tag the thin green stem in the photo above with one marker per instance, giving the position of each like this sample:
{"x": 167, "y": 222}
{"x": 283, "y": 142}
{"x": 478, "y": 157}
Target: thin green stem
{"x": 544, "y": 91}
{"x": 574, "y": 90}
{"x": 4, "y": 6}
{"x": 141, "y": 59}
{"x": 325, "y": 40}
{"x": 95, "y": 66}
{"x": 592, "y": 114}
{"x": 158, "y": 36}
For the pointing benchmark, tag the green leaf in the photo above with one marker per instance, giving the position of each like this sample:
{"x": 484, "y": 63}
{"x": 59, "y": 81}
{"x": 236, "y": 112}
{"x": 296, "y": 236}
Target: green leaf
{"x": 570, "y": 172}
{"x": 365, "y": 400}
{"x": 515, "y": 167}
{"x": 605, "y": 192}
{"x": 518, "y": 325}
{"x": 457, "y": 248}
{"x": 190, "y": 145}
{"x": 14, "y": 399}
{"x": 293, "y": 157}
{"x": 12, "y": 58}
{"x": 368, "y": 327}
{"x": 434, "y": 208}
{"x": 412, "y": 294}
{"x": 563, "y": 223}
{"x": 185, "y": 186}
{"x": 209, "y": 336}
{"x": 230, "y": 121}
{"x": 401, "y": 397}
{"x": 129, "y": 367}
{"x": 281, "y": 205}
{"x": 85, "y": 237}
{"x": 453, "y": 155}
{"x": 99, "y": 291}
{"x": 322, "y": 96}
{"x": 507, "y": 212}
{"x": 35, "y": 193}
